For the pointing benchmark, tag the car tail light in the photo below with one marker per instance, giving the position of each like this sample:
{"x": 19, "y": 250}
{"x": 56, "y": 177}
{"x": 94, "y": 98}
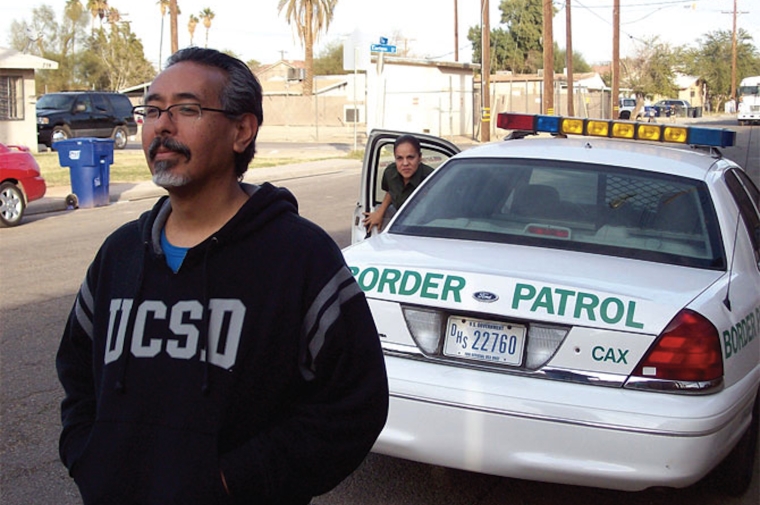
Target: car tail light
{"x": 688, "y": 350}
{"x": 426, "y": 327}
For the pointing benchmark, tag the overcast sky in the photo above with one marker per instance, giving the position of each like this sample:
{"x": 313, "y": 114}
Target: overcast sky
{"x": 255, "y": 29}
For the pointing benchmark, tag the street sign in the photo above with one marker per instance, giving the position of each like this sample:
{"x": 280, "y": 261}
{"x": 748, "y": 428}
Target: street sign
{"x": 382, "y": 48}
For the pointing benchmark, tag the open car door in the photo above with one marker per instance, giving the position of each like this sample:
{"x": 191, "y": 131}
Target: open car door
{"x": 377, "y": 156}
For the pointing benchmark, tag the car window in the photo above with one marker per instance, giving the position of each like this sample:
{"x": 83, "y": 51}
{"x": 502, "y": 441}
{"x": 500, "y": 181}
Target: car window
{"x": 744, "y": 193}
{"x": 121, "y": 105}
{"x": 84, "y": 100}
{"x": 573, "y": 206}
{"x": 55, "y": 101}
{"x": 100, "y": 103}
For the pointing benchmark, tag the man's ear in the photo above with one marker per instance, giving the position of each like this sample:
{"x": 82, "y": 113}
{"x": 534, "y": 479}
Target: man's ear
{"x": 247, "y": 128}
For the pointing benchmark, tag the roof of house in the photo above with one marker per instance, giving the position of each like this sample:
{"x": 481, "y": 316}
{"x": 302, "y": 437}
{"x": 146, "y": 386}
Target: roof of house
{"x": 12, "y": 59}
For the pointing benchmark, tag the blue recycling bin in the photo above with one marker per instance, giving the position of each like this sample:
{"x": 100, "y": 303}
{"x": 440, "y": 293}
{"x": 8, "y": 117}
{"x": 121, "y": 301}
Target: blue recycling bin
{"x": 89, "y": 161}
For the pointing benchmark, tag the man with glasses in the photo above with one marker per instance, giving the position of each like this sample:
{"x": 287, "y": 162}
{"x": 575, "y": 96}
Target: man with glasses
{"x": 219, "y": 350}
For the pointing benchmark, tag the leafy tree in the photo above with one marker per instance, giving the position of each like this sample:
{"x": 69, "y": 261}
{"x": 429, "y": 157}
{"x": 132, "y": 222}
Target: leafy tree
{"x": 253, "y": 64}
{"x": 580, "y": 65}
{"x": 711, "y": 60}
{"x": 516, "y": 45}
{"x": 310, "y": 17}
{"x": 330, "y": 60}
{"x": 650, "y": 71}
{"x": 107, "y": 59}
{"x": 45, "y": 37}
{"x": 525, "y": 22}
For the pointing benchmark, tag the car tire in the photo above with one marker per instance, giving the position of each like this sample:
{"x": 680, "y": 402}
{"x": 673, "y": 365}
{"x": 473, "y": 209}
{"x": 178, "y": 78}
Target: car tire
{"x": 60, "y": 133}
{"x": 120, "y": 137}
{"x": 625, "y": 115}
{"x": 12, "y": 204}
{"x": 734, "y": 475}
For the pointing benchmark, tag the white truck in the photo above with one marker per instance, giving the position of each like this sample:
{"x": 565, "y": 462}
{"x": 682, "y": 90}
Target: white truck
{"x": 749, "y": 100}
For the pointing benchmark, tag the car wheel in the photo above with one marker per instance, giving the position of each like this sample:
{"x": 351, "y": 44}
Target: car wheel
{"x": 120, "y": 137}
{"x": 734, "y": 475}
{"x": 72, "y": 201}
{"x": 12, "y": 204}
{"x": 625, "y": 115}
{"x": 60, "y": 133}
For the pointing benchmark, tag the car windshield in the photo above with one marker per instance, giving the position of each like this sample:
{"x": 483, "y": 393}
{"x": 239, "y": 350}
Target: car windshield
{"x": 580, "y": 207}
{"x": 55, "y": 101}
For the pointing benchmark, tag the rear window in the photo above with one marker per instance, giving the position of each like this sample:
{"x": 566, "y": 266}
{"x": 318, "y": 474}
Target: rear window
{"x": 580, "y": 207}
{"x": 121, "y": 105}
{"x": 54, "y": 101}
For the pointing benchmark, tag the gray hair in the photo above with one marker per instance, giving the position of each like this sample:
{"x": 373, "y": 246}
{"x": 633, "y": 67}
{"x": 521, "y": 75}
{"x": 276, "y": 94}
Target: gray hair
{"x": 241, "y": 95}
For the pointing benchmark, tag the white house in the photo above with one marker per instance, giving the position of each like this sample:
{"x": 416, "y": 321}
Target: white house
{"x": 18, "y": 116}
{"x": 424, "y": 96}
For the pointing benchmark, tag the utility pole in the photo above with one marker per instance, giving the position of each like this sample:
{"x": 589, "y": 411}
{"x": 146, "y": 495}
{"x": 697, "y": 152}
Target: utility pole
{"x": 615, "y": 59}
{"x": 733, "y": 51}
{"x": 456, "y": 31}
{"x": 569, "y": 57}
{"x": 548, "y": 42}
{"x": 485, "y": 73}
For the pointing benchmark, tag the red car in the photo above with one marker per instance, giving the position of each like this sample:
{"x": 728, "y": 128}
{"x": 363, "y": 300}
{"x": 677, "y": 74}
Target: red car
{"x": 20, "y": 183}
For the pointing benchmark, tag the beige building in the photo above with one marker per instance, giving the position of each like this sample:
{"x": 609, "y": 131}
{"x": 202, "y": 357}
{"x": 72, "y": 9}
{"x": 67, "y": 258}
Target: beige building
{"x": 18, "y": 116}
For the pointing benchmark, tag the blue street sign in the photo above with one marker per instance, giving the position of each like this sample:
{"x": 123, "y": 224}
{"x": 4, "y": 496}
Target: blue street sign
{"x": 382, "y": 48}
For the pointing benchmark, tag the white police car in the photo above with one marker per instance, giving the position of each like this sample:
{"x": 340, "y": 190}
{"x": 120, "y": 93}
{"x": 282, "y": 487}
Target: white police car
{"x": 580, "y": 310}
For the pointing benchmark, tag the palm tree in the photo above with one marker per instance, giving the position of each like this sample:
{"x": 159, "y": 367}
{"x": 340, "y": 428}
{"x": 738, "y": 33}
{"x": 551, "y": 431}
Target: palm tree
{"x": 113, "y": 16}
{"x": 73, "y": 11}
{"x": 99, "y": 9}
{"x": 207, "y": 15}
{"x": 191, "y": 24}
{"x": 310, "y": 18}
{"x": 163, "y": 5}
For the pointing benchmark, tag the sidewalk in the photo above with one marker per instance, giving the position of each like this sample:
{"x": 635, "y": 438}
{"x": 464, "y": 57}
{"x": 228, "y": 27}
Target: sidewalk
{"x": 55, "y": 197}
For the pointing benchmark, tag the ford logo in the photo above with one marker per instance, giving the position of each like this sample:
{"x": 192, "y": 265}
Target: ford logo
{"x": 485, "y": 296}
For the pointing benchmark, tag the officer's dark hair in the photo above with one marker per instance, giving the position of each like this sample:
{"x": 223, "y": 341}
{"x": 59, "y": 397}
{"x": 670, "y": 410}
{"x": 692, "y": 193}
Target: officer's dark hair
{"x": 241, "y": 95}
{"x": 408, "y": 139}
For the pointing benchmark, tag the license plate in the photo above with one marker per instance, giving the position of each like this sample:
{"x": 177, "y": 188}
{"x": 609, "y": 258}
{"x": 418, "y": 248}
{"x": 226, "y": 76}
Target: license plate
{"x": 482, "y": 340}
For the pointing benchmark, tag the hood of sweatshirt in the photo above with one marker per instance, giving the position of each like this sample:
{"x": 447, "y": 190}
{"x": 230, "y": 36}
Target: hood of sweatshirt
{"x": 265, "y": 203}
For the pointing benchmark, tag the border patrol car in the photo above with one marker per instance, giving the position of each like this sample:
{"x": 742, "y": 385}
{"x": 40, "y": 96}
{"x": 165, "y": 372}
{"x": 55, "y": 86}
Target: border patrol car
{"x": 574, "y": 309}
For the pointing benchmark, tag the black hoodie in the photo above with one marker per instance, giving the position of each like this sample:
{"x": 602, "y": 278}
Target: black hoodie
{"x": 290, "y": 401}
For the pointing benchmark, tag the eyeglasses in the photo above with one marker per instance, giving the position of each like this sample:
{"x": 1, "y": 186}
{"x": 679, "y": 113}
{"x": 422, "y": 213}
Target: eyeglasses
{"x": 177, "y": 112}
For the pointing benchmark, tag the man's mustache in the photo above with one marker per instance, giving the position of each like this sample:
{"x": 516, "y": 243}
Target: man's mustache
{"x": 170, "y": 144}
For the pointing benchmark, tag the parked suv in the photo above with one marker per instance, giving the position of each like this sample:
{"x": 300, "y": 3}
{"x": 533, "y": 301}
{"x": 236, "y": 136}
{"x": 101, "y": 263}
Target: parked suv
{"x": 85, "y": 114}
{"x": 672, "y": 107}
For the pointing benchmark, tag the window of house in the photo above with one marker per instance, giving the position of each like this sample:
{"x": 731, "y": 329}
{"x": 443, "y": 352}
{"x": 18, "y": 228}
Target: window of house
{"x": 11, "y": 97}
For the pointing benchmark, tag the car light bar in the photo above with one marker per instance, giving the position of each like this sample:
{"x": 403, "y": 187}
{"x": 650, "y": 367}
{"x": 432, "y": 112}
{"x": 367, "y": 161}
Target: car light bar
{"x": 632, "y": 130}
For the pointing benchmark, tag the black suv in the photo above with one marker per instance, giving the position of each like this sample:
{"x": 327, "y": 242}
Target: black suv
{"x": 70, "y": 114}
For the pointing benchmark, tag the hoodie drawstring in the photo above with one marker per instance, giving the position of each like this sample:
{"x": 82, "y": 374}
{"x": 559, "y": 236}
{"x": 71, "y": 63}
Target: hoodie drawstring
{"x": 206, "y": 386}
{"x": 121, "y": 382}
